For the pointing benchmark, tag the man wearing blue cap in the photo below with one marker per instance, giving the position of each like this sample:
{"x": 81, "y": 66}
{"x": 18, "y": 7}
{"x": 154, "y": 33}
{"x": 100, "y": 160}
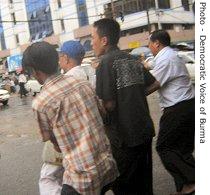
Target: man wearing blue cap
{"x": 70, "y": 58}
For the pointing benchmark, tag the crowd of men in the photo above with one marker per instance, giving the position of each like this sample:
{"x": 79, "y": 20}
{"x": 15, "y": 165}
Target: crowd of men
{"x": 103, "y": 136}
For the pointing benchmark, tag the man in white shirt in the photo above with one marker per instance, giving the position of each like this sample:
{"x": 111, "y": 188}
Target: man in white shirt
{"x": 175, "y": 143}
{"x": 22, "y": 80}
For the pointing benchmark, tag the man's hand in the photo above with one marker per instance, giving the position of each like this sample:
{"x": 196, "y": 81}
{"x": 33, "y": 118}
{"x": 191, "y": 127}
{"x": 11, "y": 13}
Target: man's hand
{"x": 109, "y": 105}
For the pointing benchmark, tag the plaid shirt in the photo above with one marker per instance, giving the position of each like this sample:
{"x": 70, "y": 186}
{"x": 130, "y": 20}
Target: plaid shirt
{"x": 67, "y": 110}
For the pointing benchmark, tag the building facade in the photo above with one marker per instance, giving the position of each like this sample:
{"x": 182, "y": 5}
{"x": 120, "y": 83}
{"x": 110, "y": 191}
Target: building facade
{"x": 139, "y": 17}
{"x": 57, "y": 21}
{"x": 40, "y": 20}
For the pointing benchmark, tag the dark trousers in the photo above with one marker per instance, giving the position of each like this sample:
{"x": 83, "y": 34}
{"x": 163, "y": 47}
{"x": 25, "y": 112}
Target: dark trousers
{"x": 135, "y": 167}
{"x": 68, "y": 190}
{"x": 175, "y": 143}
{"x": 22, "y": 89}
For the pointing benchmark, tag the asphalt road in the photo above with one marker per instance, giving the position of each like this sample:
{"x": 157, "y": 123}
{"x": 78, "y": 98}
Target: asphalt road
{"x": 20, "y": 150}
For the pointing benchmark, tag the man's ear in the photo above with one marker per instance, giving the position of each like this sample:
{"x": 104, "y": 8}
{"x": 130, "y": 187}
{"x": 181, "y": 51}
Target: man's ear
{"x": 157, "y": 43}
{"x": 104, "y": 41}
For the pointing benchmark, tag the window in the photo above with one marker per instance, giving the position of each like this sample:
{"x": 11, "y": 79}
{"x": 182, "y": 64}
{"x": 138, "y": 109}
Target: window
{"x": 33, "y": 15}
{"x": 138, "y": 30}
{"x": 164, "y": 4}
{"x": 134, "y": 31}
{"x": 39, "y": 16}
{"x": 13, "y": 18}
{"x": 17, "y": 39}
{"x": 185, "y": 4}
{"x": 3, "y": 45}
{"x": 128, "y": 7}
{"x": 59, "y": 3}
{"x": 62, "y": 25}
{"x": 47, "y": 9}
{"x": 187, "y": 26}
{"x": 83, "y": 20}
{"x": 167, "y": 26}
{"x": 82, "y": 12}
{"x": 146, "y": 4}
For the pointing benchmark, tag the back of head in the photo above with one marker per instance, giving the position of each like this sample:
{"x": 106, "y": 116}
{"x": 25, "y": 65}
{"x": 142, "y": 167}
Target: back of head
{"x": 162, "y": 36}
{"x": 73, "y": 49}
{"x": 41, "y": 56}
{"x": 109, "y": 28}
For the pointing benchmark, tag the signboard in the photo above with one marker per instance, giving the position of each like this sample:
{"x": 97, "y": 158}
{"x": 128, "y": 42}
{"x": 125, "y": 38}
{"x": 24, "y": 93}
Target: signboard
{"x": 133, "y": 44}
{"x": 14, "y": 62}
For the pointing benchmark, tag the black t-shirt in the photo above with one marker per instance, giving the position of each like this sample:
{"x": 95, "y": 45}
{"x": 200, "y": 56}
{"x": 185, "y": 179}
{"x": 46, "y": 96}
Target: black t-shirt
{"x": 121, "y": 78}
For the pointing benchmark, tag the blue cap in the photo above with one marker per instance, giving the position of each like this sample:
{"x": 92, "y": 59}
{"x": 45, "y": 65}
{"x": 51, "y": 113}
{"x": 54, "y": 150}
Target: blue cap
{"x": 73, "y": 49}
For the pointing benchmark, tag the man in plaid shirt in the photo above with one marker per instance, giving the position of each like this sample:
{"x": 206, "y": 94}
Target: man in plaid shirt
{"x": 68, "y": 114}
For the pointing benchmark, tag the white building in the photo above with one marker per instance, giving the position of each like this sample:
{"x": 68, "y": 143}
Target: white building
{"x": 72, "y": 20}
{"x": 176, "y": 16}
{"x": 15, "y": 33}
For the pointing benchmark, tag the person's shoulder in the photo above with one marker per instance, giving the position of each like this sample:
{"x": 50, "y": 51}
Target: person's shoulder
{"x": 49, "y": 93}
{"x": 170, "y": 53}
{"x": 164, "y": 56}
{"x": 39, "y": 102}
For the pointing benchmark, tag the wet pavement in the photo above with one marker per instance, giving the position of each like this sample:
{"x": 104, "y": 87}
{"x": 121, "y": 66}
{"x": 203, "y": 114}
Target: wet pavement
{"x": 20, "y": 150}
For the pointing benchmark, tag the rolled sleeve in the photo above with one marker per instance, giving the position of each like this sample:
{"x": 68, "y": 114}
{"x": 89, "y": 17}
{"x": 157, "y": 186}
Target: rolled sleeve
{"x": 161, "y": 71}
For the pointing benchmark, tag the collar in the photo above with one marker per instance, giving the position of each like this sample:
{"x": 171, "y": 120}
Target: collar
{"x": 74, "y": 68}
{"x": 162, "y": 51}
{"x": 50, "y": 78}
{"x": 112, "y": 48}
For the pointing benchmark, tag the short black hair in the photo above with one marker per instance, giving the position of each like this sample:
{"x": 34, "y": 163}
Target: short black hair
{"x": 41, "y": 56}
{"x": 162, "y": 36}
{"x": 109, "y": 28}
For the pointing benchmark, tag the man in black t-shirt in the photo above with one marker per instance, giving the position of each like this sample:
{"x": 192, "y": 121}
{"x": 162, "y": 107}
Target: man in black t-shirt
{"x": 122, "y": 83}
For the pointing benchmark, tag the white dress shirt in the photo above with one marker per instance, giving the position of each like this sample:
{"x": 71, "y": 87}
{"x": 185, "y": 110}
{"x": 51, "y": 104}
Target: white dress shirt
{"x": 169, "y": 69}
{"x": 22, "y": 78}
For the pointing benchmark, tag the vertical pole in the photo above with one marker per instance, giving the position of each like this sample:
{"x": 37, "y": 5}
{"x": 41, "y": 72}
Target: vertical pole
{"x": 148, "y": 20}
{"x": 113, "y": 10}
{"x": 157, "y": 13}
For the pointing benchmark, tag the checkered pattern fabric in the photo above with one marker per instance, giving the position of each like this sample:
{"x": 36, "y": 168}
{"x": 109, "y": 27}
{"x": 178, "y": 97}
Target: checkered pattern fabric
{"x": 67, "y": 110}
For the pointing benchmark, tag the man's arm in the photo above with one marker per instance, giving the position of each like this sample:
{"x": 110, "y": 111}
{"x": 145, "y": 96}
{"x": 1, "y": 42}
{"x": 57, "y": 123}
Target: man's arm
{"x": 45, "y": 129}
{"x": 152, "y": 88}
{"x": 109, "y": 105}
{"x": 151, "y": 84}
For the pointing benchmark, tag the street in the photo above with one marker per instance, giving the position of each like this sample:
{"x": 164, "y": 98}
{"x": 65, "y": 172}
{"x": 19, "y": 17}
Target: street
{"x": 20, "y": 150}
